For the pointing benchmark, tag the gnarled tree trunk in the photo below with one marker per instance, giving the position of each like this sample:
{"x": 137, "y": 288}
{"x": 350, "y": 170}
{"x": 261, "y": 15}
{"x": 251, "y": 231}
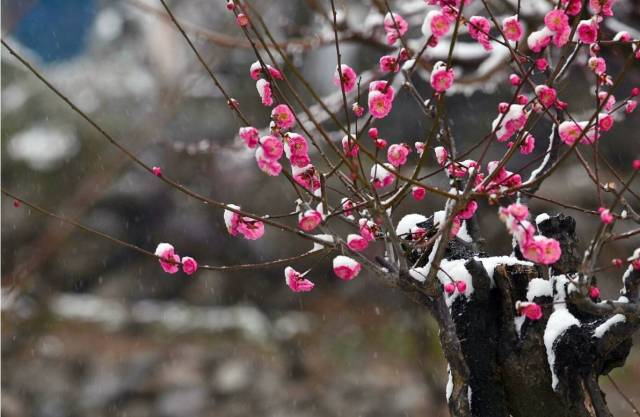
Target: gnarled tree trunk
{"x": 499, "y": 361}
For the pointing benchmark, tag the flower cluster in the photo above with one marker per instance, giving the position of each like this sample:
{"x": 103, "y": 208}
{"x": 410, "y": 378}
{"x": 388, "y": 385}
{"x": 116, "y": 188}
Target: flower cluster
{"x": 380, "y": 99}
{"x": 536, "y": 248}
{"x": 395, "y": 26}
{"x": 170, "y": 261}
{"x": 479, "y": 28}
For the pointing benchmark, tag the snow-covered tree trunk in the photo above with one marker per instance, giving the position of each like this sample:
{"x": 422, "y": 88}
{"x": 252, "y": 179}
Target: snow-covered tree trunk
{"x": 502, "y": 363}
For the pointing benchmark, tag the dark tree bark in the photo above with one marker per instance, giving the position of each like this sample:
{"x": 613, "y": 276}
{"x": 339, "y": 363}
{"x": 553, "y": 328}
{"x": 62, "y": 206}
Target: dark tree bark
{"x": 498, "y": 372}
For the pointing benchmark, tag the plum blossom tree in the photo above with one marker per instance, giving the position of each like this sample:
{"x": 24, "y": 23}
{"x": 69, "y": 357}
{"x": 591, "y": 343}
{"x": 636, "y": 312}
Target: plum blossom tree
{"x": 525, "y": 332}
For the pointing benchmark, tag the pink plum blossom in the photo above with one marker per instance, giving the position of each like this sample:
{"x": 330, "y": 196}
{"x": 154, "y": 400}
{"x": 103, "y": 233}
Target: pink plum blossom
{"x": 395, "y": 26}
{"x": 594, "y": 293}
{"x": 479, "y": 28}
{"x": 574, "y": 7}
{"x": 272, "y": 147}
{"x": 346, "y": 268}
{"x": 283, "y": 116}
{"x": 357, "y": 242}
{"x": 597, "y": 64}
{"x": 469, "y": 210}
{"x": 296, "y": 281}
{"x": 347, "y": 206}
{"x": 264, "y": 89}
{"x": 513, "y": 120}
{"x": 389, "y": 63}
{"x": 556, "y": 20}
{"x": 605, "y": 215}
{"x": 540, "y": 39}
{"x": 169, "y": 260}
{"x": 605, "y": 121}
{"x": 588, "y": 31}
{"x": 306, "y": 176}
{"x": 347, "y": 77}
{"x": 267, "y": 165}
{"x": 528, "y": 144}
{"x": 571, "y": 131}
{"x": 242, "y": 20}
{"x": 532, "y": 311}
{"x": 542, "y": 250}
{"x": 251, "y": 229}
{"x": 630, "y": 106}
{"x": 441, "y": 77}
{"x": 250, "y": 136}
{"x": 379, "y": 104}
{"x": 461, "y": 286}
{"x": 381, "y": 176}
{"x": 436, "y": 24}
{"x": 542, "y": 64}
{"x": 601, "y": 7}
{"x": 397, "y": 154}
{"x": 518, "y": 211}
{"x": 546, "y": 95}
{"x": 380, "y": 143}
{"x": 309, "y": 220}
{"x": 449, "y": 288}
{"x": 608, "y": 99}
{"x": 418, "y": 192}
{"x": 189, "y": 265}
{"x": 231, "y": 219}
{"x": 512, "y": 28}
{"x": 441, "y": 155}
{"x": 256, "y": 70}
{"x": 384, "y": 87}
{"x": 357, "y": 109}
{"x": 367, "y": 229}
{"x": 157, "y": 171}
{"x": 350, "y": 146}
{"x": 296, "y": 149}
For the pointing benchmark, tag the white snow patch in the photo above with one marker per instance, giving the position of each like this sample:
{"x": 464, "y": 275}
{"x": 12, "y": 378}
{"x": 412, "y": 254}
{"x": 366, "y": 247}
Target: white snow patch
{"x": 518, "y": 322}
{"x": 541, "y": 217}
{"x": 439, "y": 218}
{"x": 458, "y": 272}
{"x": 491, "y": 262}
{"x": 627, "y": 273}
{"x": 559, "y": 322}
{"x": 562, "y": 286}
{"x": 419, "y": 274}
{"x": 407, "y": 224}
{"x": 449, "y": 389}
{"x": 539, "y": 287}
{"x": 342, "y": 260}
{"x": 604, "y": 327}
{"x": 326, "y": 238}
{"x": 464, "y": 233}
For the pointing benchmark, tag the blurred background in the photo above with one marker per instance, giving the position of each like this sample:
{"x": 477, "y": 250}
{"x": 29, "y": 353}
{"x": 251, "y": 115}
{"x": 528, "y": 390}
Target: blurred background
{"x": 91, "y": 328}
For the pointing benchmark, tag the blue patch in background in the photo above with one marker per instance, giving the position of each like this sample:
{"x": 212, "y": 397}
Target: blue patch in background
{"x": 56, "y": 29}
